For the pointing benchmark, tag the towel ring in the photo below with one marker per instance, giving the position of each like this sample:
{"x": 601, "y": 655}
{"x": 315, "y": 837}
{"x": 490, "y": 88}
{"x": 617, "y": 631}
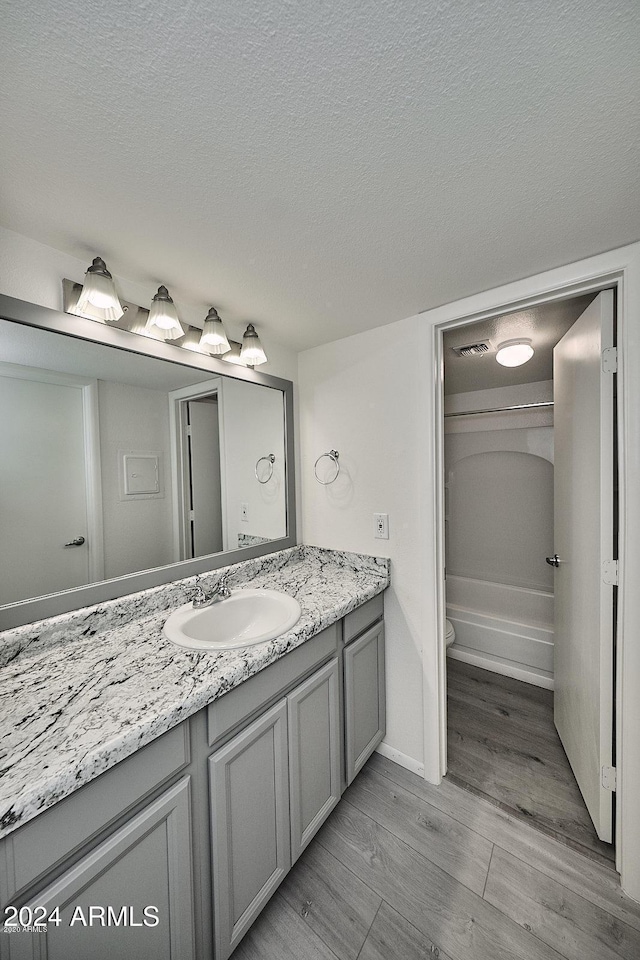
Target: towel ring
{"x": 270, "y": 460}
{"x": 333, "y": 455}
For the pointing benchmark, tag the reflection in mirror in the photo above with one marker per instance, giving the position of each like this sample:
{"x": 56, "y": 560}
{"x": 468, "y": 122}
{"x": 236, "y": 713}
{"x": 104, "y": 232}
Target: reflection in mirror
{"x": 114, "y": 462}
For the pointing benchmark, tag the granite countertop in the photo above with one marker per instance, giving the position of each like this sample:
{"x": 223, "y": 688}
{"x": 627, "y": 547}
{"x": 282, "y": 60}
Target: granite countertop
{"x": 86, "y": 689}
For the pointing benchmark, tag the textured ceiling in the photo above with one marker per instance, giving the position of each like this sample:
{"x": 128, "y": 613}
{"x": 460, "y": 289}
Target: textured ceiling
{"x": 322, "y": 168}
{"x": 544, "y": 325}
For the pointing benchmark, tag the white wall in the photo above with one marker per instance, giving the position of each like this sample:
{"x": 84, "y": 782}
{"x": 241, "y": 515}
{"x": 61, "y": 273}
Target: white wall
{"x": 362, "y": 396}
{"x": 137, "y": 532}
{"x": 252, "y": 418}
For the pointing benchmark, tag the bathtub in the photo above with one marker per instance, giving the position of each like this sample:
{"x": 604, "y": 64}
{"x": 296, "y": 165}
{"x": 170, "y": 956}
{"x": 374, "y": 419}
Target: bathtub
{"x": 502, "y": 628}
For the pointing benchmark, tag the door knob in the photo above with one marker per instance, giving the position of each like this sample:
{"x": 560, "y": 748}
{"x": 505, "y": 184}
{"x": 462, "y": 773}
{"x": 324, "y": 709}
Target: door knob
{"x": 553, "y": 561}
{"x": 77, "y": 542}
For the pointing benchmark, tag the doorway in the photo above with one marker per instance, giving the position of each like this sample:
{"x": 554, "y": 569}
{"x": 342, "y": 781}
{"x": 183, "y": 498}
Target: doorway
{"x": 204, "y": 509}
{"x": 499, "y": 527}
{"x": 199, "y": 496}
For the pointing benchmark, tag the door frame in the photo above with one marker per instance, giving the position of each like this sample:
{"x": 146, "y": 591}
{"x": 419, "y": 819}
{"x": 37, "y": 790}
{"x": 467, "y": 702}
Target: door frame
{"x": 620, "y": 269}
{"x": 179, "y": 460}
{"x": 92, "y": 463}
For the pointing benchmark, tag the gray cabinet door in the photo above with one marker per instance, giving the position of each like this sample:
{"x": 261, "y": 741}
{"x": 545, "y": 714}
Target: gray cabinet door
{"x": 314, "y": 754}
{"x": 249, "y": 824}
{"x": 130, "y": 897}
{"x": 364, "y": 703}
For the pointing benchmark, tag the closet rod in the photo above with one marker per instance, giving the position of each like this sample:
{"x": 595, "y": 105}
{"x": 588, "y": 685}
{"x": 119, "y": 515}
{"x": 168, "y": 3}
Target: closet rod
{"x": 517, "y": 406}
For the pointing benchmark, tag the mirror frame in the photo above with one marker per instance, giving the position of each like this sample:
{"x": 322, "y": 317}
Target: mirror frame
{"x": 49, "y": 605}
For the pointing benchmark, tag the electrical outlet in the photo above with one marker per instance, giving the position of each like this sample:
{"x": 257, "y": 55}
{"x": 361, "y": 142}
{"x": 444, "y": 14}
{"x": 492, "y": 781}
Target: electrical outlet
{"x": 381, "y": 526}
{"x": 244, "y": 512}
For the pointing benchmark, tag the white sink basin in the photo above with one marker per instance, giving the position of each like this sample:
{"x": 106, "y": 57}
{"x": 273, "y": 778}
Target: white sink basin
{"x": 245, "y": 618}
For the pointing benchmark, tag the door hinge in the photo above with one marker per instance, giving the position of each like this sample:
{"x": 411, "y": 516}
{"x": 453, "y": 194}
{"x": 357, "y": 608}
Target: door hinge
{"x": 610, "y": 360}
{"x": 610, "y": 572}
{"x": 609, "y": 778}
{"x": 192, "y": 515}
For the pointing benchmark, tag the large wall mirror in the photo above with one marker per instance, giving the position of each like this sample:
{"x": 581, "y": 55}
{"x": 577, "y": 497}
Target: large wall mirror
{"x": 126, "y": 463}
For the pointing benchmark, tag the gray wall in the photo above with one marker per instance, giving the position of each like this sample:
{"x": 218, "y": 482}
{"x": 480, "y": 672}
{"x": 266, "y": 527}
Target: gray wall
{"x": 137, "y": 533}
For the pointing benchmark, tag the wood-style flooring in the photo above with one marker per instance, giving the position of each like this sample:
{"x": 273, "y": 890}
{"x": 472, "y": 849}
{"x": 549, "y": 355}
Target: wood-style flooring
{"x": 503, "y": 743}
{"x": 404, "y": 870}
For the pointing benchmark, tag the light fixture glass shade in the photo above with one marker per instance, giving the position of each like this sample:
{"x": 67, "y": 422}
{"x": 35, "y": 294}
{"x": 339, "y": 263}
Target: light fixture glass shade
{"x": 214, "y": 339}
{"x": 192, "y": 340}
{"x": 513, "y": 353}
{"x": 252, "y": 352}
{"x": 233, "y": 356}
{"x": 163, "y": 316}
{"x": 139, "y": 323}
{"x": 99, "y": 292}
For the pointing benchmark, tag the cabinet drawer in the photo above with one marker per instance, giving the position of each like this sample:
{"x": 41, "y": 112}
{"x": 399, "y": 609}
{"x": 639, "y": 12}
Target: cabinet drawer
{"x": 240, "y": 705}
{"x": 362, "y": 617}
{"x": 53, "y": 835}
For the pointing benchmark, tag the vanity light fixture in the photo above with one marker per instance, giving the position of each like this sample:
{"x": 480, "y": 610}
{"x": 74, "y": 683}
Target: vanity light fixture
{"x": 98, "y": 299}
{"x": 161, "y": 322}
{"x": 234, "y": 354}
{"x": 139, "y": 324}
{"x": 214, "y": 339}
{"x": 164, "y": 316}
{"x": 192, "y": 340}
{"x": 513, "y": 353}
{"x": 252, "y": 353}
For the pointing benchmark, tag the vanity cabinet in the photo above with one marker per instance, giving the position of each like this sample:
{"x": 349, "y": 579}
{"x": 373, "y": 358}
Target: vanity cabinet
{"x": 272, "y": 786}
{"x": 205, "y": 821}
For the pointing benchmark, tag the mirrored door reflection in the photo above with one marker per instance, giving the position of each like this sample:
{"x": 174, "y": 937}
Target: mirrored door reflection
{"x": 230, "y": 470}
{"x": 204, "y": 506}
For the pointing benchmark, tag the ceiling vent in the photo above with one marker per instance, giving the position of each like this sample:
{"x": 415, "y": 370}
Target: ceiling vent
{"x": 472, "y": 349}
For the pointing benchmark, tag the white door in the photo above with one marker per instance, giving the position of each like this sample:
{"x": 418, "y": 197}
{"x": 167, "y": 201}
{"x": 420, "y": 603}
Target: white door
{"x": 584, "y": 539}
{"x": 43, "y": 493}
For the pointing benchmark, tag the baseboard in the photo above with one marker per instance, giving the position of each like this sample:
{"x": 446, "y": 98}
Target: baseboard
{"x": 504, "y": 667}
{"x": 400, "y": 758}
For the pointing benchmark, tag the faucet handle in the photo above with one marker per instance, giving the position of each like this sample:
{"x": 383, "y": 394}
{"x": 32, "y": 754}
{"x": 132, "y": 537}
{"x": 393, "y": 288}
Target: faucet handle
{"x": 222, "y": 586}
{"x": 196, "y": 593}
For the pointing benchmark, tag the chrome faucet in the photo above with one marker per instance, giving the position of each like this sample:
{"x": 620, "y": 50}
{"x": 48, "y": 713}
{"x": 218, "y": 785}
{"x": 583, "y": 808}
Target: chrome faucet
{"x": 220, "y": 592}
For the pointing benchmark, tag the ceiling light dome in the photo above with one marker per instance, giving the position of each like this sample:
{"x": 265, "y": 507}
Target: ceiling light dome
{"x": 513, "y": 353}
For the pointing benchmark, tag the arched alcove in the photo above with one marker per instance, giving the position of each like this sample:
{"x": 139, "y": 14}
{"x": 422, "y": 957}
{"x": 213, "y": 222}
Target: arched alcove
{"x": 500, "y": 518}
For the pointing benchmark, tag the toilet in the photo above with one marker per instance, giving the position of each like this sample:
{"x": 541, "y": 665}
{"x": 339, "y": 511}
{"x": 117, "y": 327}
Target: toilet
{"x": 449, "y": 633}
